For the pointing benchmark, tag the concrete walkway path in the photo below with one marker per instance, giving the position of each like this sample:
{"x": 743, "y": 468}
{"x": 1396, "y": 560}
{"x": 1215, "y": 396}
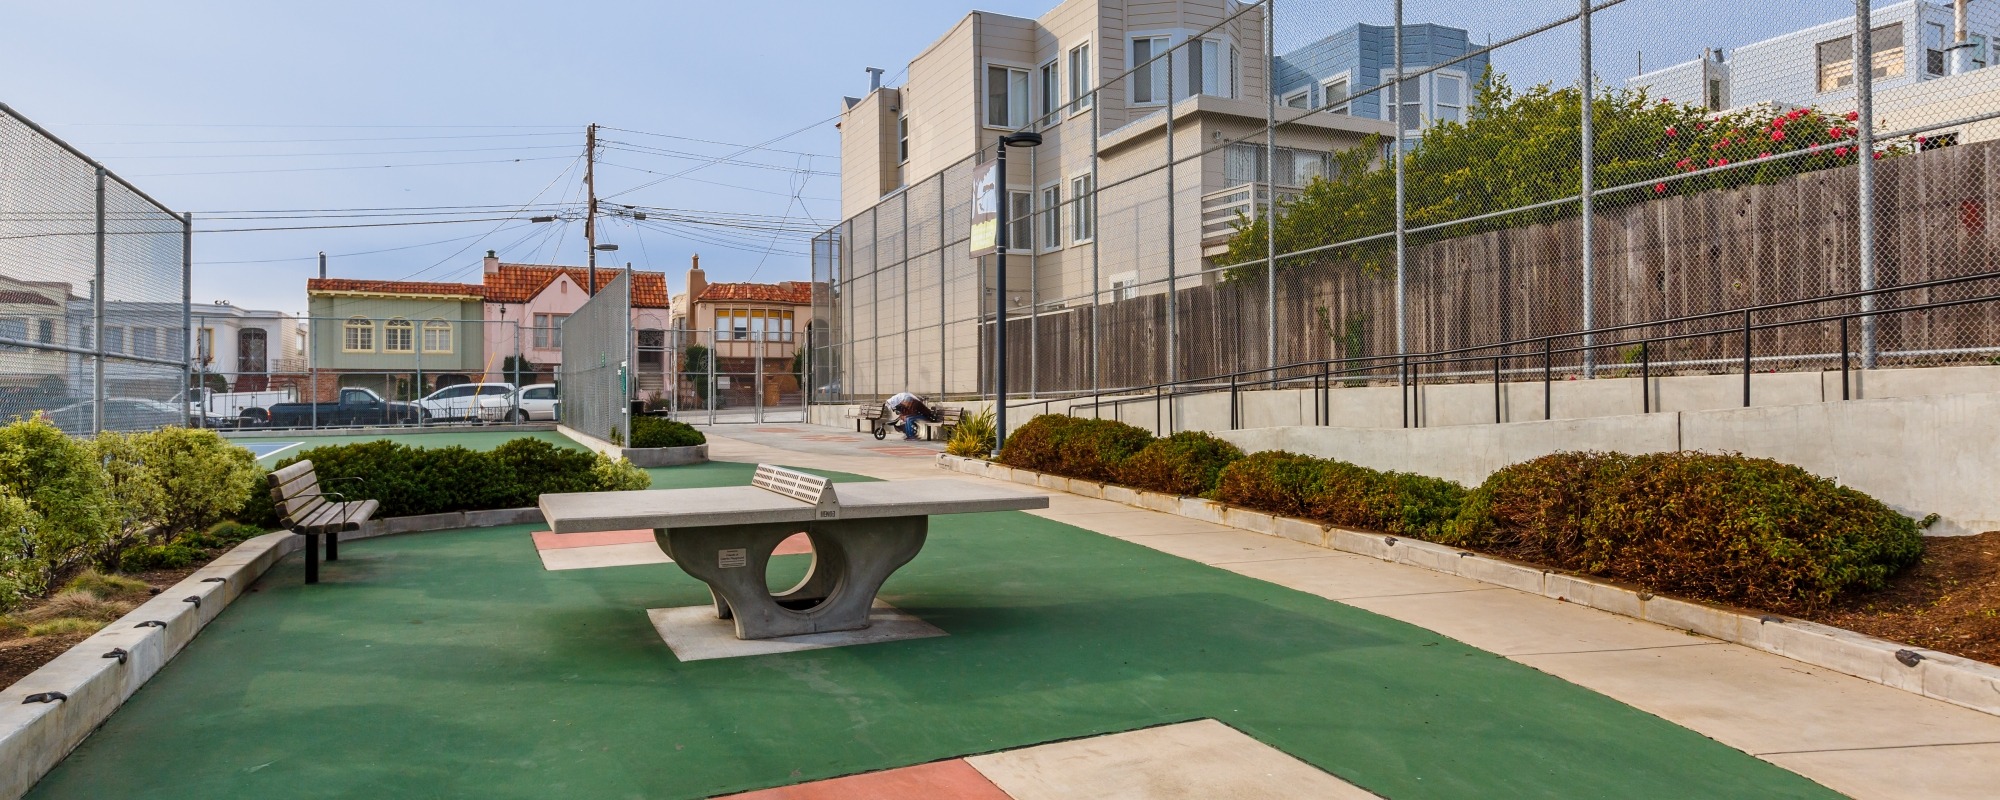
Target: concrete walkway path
{"x": 1856, "y": 737}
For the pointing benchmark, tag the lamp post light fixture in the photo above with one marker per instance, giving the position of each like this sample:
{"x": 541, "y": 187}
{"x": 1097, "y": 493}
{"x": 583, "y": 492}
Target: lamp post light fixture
{"x": 1022, "y": 139}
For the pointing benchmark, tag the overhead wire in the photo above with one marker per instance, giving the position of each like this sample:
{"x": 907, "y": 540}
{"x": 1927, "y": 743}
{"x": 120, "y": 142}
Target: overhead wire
{"x": 739, "y": 152}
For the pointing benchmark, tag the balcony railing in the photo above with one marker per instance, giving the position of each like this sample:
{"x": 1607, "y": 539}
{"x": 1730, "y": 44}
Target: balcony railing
{"x": 1219, "y": 210}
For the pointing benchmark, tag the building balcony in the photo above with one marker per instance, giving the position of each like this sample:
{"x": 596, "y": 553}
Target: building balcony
{"x": 1219, "y": 211}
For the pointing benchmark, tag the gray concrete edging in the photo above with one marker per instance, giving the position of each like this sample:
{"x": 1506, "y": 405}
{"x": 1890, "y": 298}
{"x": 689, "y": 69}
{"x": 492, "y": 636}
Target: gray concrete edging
{"x": 665, "y": 456}
{"x": 1940, "y": 676}
{"x": 35, "y": 737}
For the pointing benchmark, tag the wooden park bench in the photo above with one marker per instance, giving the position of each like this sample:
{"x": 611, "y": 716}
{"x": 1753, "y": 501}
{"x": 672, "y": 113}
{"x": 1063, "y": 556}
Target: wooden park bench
{"x": 947, "y": 419}
{"x": 875, "y": 415}
{"x": 305, "y": 507}
{"x": 724, "y": 537}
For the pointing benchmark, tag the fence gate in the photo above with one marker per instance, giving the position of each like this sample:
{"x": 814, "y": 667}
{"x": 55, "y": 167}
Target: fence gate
{"x": 738, "y": 376}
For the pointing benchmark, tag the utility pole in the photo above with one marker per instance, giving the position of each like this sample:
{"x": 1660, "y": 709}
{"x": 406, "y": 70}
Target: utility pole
{"x": 590, "y": 183}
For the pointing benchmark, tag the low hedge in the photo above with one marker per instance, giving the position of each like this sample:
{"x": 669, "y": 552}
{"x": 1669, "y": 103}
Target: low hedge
{"x": 1719, "y": 527}
{"x": 1091, "y": 449}
{"x": 418, "y": 480}
{"x": 1339, "y": 493}
{"x": 1186, "y": 463}
{"x": 663, "y": 432}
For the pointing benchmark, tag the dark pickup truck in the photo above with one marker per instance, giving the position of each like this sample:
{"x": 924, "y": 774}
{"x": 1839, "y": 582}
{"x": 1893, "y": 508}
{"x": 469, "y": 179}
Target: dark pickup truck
{"x": 355, "y": 407}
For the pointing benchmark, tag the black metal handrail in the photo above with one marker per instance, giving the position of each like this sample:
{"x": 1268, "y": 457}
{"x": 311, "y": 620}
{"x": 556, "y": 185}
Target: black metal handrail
{"x": 1408, "y": 368}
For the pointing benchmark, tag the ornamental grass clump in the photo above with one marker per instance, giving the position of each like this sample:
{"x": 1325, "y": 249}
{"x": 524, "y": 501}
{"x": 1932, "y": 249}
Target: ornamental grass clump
{"x": 1186, "y": 463}
{"x": 973, "y": 436}
{"x": 1721, "y": 527}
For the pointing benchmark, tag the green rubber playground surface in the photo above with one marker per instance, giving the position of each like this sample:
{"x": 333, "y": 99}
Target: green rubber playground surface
{"x": 452, "y": 665}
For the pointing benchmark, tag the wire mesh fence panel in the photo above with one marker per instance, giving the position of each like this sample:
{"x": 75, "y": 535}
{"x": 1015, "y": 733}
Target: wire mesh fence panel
{"x": 1305, "y": 192}
{"x": 596, "y": 360}
{"x": 93, "y": 282}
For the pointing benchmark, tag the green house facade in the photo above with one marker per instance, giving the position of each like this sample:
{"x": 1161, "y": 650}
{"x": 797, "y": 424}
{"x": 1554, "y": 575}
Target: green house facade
{"x": 400, "y": 338}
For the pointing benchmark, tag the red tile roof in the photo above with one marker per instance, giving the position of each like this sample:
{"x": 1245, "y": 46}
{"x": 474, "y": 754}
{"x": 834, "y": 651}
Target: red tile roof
{"x": 426, "y": 288}
{"x": 798, "y": 293}
{"x": 24, "y": 298}
{"x": 519, "y": 283}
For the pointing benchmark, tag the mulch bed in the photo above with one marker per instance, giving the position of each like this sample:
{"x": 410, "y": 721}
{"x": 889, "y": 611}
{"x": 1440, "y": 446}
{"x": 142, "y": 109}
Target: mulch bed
{"x": 22, "y": 655}
{"x": 1948, "y": 602}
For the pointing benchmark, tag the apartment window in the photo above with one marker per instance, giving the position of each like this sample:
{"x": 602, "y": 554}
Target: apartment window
{"x": 1006, "y": 97}
{"x": 204, "y": 344}
{"x": 1934, "y": 43}
{"x": 45, "y": 331}
{"x": 1406, "y": 111}
{"x": 1715, "y": 94}
{"x": 1051, "y": 217}
{"x": 1212, "y": 68}
{"x": 1083, "y": 208}
{"x": 1021, "y": 216}
{"x": 903, "y": 139}
{"x": 548, "y": 329}
{"x": 1836, "y": 57}
{"x": 357, "y": 335}
{"x": 1242, "y": 163}
{"x": 1080, "y": 94}
{"x": 1051, "y": 92}
{"x": 398, "y": 336}
{"x": 437, "y": 336}
{"x": 145, "y": 342}
{"x": 1448, "y": 91}
{"x": 1299, "y": 99}
{"x": 1978, "y": 50}
{"x": 1124, "y": 286}
{"x": 1149, "y": 80}
{"x": 1334, "y": 94}
{"x": 16, "y": 329}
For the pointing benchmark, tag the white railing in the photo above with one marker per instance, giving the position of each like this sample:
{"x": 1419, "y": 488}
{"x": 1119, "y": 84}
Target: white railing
{"x": 1220, "y": 209}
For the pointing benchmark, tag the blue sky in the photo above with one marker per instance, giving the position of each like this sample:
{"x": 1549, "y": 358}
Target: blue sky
{"x": 206, "y": 105}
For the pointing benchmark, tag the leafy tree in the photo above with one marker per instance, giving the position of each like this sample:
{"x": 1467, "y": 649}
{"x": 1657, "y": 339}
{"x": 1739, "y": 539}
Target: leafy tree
{"x": 1518, "y": 150}
{"x": 695, "y": 366}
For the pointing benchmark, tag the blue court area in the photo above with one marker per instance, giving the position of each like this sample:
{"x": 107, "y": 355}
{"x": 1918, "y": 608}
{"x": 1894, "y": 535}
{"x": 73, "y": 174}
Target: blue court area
{"x": 267, "y": 452}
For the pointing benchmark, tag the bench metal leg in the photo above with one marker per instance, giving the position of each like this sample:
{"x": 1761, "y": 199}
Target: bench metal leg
{"x": 851, "y": 560}
{"x": 312, "y": 558}
{"x": 333, "y": 545}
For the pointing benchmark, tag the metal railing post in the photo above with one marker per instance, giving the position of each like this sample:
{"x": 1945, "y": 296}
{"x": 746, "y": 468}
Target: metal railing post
{"x": 1403, "y": 380}
{"x": 1844, "y": 369}
{"x": 1746, "y": 358}
{"x": 1496, "y": 390}
{"x": 1645, "y": 379}
{"x": 1232, "y": 402}
{"x": 1548, "y": 369}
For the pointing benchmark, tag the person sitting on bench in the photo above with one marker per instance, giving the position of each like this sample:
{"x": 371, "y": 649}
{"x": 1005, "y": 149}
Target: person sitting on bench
{"x": 909, "y": 408}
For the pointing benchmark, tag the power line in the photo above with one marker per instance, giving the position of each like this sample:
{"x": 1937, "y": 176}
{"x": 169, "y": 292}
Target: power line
{"x": 628, "y": 147}
{"x": 356, "y": 166}
{"x": 739, "y": 152}
{"x": 714, "y": 142}
{"x": 337, "y": 139}
{"x": 344, "y": 255}
{"x": 352, "y": 153}
{"x": 256, "y": 230}
{"x": 700, "y": 180}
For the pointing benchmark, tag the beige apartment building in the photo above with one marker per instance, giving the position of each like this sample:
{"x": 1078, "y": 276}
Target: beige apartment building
{"x": 1079, "y": 75}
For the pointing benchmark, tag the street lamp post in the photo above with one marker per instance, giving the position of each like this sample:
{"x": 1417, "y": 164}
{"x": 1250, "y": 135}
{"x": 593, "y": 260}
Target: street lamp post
{"x": 1022, "y": 139}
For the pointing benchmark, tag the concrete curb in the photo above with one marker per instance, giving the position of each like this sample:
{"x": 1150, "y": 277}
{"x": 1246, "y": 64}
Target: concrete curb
{"x": 35, "y": 737}
{"x": 1940, "y": 676}
{"x": 665, "y": 456}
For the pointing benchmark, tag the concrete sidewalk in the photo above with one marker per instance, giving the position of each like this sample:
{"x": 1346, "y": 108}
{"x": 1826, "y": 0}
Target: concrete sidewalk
{"x": 1860, "y": 738}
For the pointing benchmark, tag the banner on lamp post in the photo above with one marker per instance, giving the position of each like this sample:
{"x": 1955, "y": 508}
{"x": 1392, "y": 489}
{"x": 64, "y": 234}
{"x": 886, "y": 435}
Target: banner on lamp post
{"x": 985, "y": 234}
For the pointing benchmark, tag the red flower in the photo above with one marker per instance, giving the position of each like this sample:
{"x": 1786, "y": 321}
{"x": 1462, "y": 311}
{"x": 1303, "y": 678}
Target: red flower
{"x": 1853, "y": 115}
{"x": 1840, "y": 151}
{"x": 1670, "y": 130}
{"x": 1779, "y": 122}
{"x": 1659, "y": 188}
{"x": 1682, "y": 163}
{"x": 1777, "y": 136}
{"x": 1701, "y": 126}
{"x": 1722, "y": 162}
{"x": 1764, "y": 155}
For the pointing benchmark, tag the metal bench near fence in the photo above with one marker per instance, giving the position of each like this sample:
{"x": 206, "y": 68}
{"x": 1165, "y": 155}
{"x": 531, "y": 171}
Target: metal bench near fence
{"x": 305, "y": 507}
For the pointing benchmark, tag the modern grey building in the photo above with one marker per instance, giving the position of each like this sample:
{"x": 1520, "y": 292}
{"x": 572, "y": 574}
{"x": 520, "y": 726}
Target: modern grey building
{"x": 1344, "y": 64}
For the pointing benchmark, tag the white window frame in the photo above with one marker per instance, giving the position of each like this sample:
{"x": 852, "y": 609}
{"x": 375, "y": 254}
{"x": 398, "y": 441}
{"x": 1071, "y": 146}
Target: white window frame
{"x": 986, "y": 95}
{"x": 1124, "y": 285}
{"x": 443, "y": 335}
{"x": 903, "y": 138}
{"x": 1979, "y": 50}
{"x": 399, "y": 325}
{"x": 1082, "y": 208}
{"x": 1346, "y": 77}
{"x": 1048, "y": 88}
{"x": 1155, "y": 74}
{"x": 1018, "y": 199}
{"x": 1225, "y": 67}
{"x": 1431, "y": 103}
{"x": 357, "y": 329}
{"x": 1049, "y": 227}
{"x": 1304, "y": 93}
{"x": 1081, "y": 92}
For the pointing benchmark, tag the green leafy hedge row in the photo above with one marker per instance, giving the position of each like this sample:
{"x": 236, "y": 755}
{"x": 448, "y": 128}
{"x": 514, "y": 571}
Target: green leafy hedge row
{"x": 66, "y": 503}
{"x": 1711, "y": 526}
{"x": 433, "y": 480}
{"x": 662, "y": 432}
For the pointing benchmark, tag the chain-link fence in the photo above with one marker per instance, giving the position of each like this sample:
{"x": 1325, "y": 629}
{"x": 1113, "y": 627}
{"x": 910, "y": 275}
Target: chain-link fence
{"x": 597, "y": 357}
{"x": 1414, "y": 185}
{"x": 93, "y": 291}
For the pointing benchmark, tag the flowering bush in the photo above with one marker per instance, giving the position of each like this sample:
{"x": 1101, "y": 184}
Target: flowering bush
{"x": 1520, "y": 149}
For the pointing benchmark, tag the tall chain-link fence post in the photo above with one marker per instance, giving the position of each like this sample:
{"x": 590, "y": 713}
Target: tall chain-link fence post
{"x": 1397, "y": 163}
{"x": 97, "y": 393}
{"x": 1173, "y": 285}
{"x": 1586, "y": 87}
{"x": 1270, "y": 187}
{"x": 1096, "y": 239}
{"x": 187, "y": 319}
{"x": 1864, "y": 210}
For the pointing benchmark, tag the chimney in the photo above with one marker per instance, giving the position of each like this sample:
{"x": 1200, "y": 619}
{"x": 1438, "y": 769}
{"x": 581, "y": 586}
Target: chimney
{"x": 696, "y": 280}
{"x": 492, "y": 262}
{"x": 322, "y": 265}
{"x": 874, "y": 78}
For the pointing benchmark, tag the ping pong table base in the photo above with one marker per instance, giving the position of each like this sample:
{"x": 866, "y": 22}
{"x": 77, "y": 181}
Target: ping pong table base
{"x": 851, "y": 560}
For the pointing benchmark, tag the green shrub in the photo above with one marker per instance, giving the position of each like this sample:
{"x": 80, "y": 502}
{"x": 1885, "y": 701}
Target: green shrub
{"x": 53, "y": 505}
{"x": 1717, "y": 527}
{"x": 1094, "y": 449}
{"x": 224, "y": 535}
{"x": 973, "y": 436}
{"x": 1186, "y": 463}
{"x": 663, "y": 432}
{"x": 1339, "y": 493}
{"x": 146, "y": 557}
{"x": 409, "y": 481}
{"x": 258, "y": 508}
{"x": 177, "y": 479}
{"x": 1033, "y": 445}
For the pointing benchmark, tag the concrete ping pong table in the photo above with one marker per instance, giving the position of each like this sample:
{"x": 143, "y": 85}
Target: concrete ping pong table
{"x": 724, "y": 538}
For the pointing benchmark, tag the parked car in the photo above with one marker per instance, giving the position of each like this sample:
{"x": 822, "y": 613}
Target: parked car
{"x": 355, "y": 407}
{"x": 461, "y": 401}
{"x": 531, "y": 402}
{"x": 120, "y": 413}
{"x": 222, "y": 409}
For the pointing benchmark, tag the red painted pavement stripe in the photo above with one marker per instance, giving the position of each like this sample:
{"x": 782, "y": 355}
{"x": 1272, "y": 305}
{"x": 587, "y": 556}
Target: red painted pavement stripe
{"x": 941, "y": 780}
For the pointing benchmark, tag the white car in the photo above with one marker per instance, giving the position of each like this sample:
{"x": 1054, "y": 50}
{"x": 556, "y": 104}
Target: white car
{"x": 532, "y": 402}
{"x": 460, "y": 402}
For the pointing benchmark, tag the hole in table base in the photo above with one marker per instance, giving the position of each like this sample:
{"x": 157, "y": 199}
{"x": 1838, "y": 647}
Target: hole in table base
{"x": 784, "y": 572}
